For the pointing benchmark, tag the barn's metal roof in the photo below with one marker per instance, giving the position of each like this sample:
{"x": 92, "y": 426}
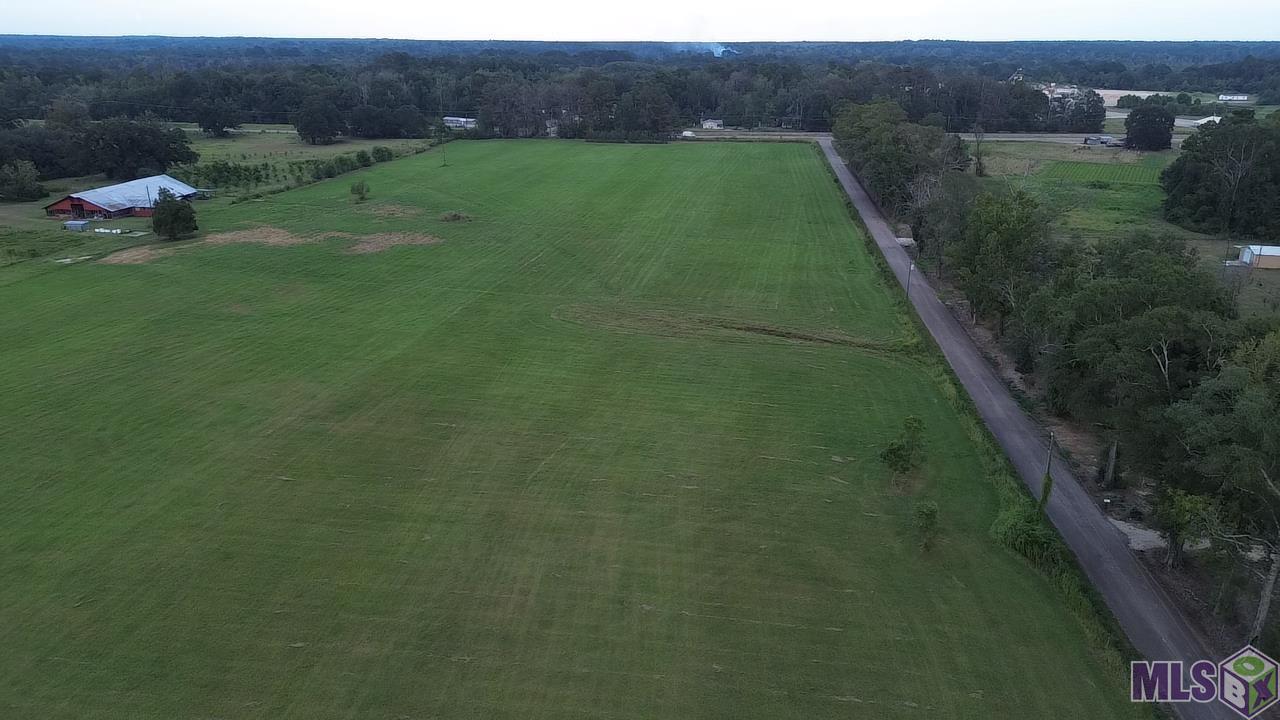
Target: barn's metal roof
{"x": 140, "y": 193}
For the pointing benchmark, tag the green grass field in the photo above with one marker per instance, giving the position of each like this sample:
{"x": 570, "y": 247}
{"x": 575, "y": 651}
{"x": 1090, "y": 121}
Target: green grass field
{"x": 607, "y": 450}
{"x": 1140, "y": 173}
{"x": 1093, "y": 192}
{"x": 1097, "y": 193}
{"x": 278, "y": 144}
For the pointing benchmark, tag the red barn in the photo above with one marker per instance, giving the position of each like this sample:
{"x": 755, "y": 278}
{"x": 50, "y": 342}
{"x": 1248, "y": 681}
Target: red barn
{"x": 136, "y": 197}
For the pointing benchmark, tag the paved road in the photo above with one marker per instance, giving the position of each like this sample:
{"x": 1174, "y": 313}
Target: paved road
{"x": 1154, "y": 625}
{"x": 1182, "y": 122}
{"x": 1064, "y": 138}
{"x": 758, "y": 134}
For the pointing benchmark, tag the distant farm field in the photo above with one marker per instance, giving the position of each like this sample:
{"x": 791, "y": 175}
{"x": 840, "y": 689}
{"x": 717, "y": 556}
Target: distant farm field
{"x": 278, "y": 144}
{"x": 1097, "y": 192}
{"x": 1090, "y": 192}
{"x": 1140, "y": 173}
{"x": 604, "y": 445}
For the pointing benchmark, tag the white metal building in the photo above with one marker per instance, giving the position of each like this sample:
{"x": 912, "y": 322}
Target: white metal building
{"x": 1260, "y": 256}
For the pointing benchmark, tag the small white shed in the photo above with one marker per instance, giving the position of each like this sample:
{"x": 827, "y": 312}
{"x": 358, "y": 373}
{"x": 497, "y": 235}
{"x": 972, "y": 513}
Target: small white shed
{"x": 1260, "y": 256}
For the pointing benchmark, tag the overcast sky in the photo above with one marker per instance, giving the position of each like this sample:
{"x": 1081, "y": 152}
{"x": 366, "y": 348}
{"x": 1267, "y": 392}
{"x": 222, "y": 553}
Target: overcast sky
{"x": 657, "y": 19}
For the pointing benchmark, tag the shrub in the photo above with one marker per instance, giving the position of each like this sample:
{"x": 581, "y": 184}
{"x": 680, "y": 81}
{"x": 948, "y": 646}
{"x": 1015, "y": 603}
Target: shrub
{"x": 344, "y": 164}
{"x": 172, "y": 218}
{"x": 907, "y": 450}
{"x": 19, "y": 180}
{"x": 220, "y": 173}
{"x": 321, "y": 169}
{"x": 924, "y": 515}
{"x": 360, "y": 189}
{"x": 1020, "y": 528}
{"x": 363, "y": 158}
{"x": 382, "y": 153}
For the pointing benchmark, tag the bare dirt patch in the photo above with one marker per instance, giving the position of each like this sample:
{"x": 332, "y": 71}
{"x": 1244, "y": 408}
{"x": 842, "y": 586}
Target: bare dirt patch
{"x": 392, "y": 211}
{"x": 278, "y": 237}
{"x": 907, "y": 485}
{"x": 265, "y": 235}
{"x": 383, "y": 241}
{"x": 136, "y": 255}
{"x": 363, "y": 244}
{"x": 677, "y": 324}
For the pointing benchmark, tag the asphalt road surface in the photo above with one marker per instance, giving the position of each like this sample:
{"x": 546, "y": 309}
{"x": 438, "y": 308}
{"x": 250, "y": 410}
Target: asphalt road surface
{"x": 1065, "y": 138}
{"x": 1182, "y": 122}
{"x": 1155, "y": 626}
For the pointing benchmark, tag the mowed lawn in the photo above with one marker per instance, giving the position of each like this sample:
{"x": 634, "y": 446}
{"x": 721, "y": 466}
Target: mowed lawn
{"x": 1147, "y": 173}
{"x": 1091, "y": 192}
{"x": 1096, "y": 193}
{"x": 563, "y": 464}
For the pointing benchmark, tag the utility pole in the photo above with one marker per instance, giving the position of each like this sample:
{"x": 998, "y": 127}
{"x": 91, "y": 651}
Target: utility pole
{"x": 1048, "y": 461}
{"x": 1046, "y": 487}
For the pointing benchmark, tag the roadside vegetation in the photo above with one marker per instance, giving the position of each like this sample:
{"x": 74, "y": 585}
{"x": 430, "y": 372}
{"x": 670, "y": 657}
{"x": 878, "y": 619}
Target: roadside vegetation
{"x": 1130, "y": 332}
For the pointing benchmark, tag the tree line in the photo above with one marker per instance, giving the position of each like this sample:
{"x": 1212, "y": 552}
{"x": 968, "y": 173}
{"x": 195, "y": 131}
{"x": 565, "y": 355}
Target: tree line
{"x": 1227, "y": 178}
{"x": 1131, "y": 335}
{"x": 400, "y": 95}
{"x": 120, "y": 148}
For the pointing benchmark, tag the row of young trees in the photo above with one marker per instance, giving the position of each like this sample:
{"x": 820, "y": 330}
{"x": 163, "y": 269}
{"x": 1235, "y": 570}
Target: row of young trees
{"x": 1131, "y": 335}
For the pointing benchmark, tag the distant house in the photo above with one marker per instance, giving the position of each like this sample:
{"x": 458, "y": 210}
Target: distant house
{"x": 1101, "y": 140}
{"x": 1260, "y": 256}
{"x": 136, "y": 198}
{"x": 712, "y": 124}
{"x": 1055, "y": 90}
{"x": 460, "y": 123}
{"x": 688, "y": 134}
{"x": 1233, "y": 98}
{"x": 1210, "y": 119}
